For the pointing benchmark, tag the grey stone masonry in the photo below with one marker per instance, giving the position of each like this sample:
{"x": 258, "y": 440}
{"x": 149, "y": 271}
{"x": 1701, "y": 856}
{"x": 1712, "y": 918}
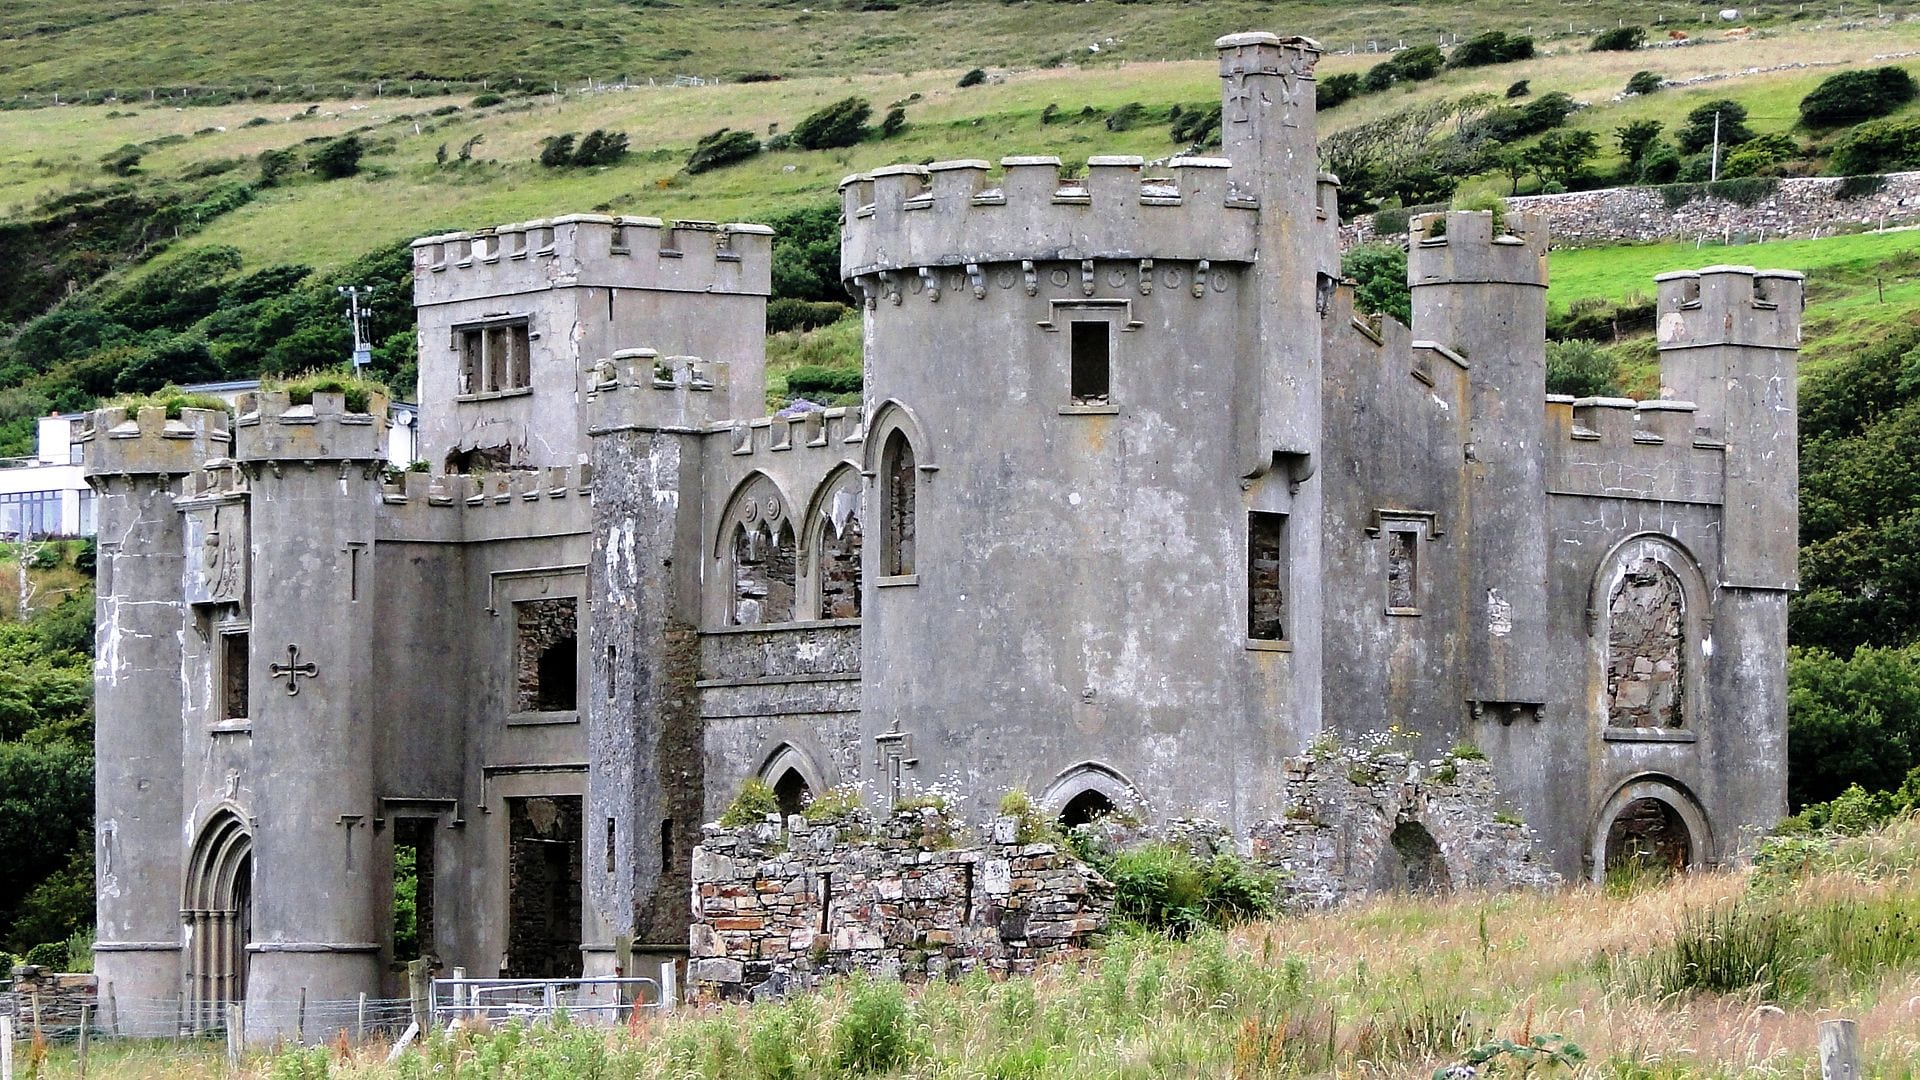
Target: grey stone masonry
{"x": 1360, "y": 823}
{"x": 776, "y": 908}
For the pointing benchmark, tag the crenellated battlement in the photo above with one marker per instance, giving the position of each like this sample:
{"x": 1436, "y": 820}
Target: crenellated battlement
{"x": 1616, "y": 447}
{"x": 593, "y": 250}
{"x": 457, "y": 507}
{"x": 1462, "y": 247}
{"x": 641, "y": 388}
{"x": 954, "y": 213}
{"x": 116, "y": 442}
{"x": 832, "y": 429}
{"x": 270, "y": 427}
{"x": 1730, "y": 305}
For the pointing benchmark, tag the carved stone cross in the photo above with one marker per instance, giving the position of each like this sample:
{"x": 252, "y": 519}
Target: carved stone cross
{"x": 293, "y": 670}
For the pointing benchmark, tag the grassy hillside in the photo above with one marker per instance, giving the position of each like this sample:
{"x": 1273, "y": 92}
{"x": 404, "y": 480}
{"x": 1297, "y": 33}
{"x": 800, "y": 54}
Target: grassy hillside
{"x": 1710, "y": 975}
{"x": 81, "y": 47}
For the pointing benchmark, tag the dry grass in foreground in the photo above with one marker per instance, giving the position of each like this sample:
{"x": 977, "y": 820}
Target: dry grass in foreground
{"x": 1709, "y": 975}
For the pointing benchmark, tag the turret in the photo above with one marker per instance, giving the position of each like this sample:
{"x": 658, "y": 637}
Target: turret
{"x": 1479, "y": 289}
{"x": 135, "y": 463}
{"x": 314, "y": 472}
{"x": 1729, "y": 342}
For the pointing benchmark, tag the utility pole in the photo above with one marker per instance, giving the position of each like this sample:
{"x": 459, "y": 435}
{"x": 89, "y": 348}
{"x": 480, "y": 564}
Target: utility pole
{"x": 1713, "y": 172}
{"x": 357, "y": 315}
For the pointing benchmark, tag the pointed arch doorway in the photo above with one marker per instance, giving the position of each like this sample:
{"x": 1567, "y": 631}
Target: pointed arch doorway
{"x": 218, "y": 912}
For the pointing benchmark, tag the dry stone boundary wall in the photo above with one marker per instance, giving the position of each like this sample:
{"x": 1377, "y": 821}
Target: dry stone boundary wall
{"x": 1799, "y": 207}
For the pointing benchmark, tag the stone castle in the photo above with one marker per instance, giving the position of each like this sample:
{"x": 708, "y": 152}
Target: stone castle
{"x": 1137, "y": 508}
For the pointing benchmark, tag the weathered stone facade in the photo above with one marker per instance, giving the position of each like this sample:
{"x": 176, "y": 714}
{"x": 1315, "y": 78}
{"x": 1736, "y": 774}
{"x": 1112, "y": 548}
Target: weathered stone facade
{"x": 1134, "y": 511}
{"x": 778, "y": 906}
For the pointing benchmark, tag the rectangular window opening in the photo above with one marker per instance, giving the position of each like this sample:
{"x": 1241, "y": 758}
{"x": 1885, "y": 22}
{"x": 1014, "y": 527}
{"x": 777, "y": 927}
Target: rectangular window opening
{"x": 1266, "y": 576}
{"x": 495, "y": 358}
{"x": 233, "y": 675}
{"x": 1403, "y": 571}
{"x": 412, "y": 888}
{"x": 1090, "y": 373}
{"x": 611, "y": 834}
{"x": 546, "y": 658}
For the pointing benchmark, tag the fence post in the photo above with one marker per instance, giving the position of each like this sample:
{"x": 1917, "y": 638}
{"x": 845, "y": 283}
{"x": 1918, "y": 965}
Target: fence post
{"x": 236, "y": 1035}
{"x": 623, "y": 968}
{"x": 6, "y": 1048}
{"x": 360, "y": 1019}
{"x": 80, "y": 1048}
{"x": 1839, "y": 1050}
{"x": 417, "y": 990}
{"x": 669, "y": 986}
{"x": 300, "y": 1019}
{"x": 113, "y": 1013}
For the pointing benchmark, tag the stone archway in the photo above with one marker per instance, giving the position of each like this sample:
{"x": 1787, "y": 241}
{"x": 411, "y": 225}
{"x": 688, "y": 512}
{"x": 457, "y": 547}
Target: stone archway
{"x": 218, "y": 912}
{"x": 1411, "y": 862}
{"x": 1652, "y": 823}
{"x": 1088, "y": 806}
{"x": 792, "y": 792}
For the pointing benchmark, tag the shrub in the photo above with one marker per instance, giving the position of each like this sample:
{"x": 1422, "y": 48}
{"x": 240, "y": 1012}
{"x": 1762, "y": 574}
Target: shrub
{"x": 875, "y": 1032}
{"x": 600, "y": 148}
{"x": 1619, "y": 39}
{"x": 836, "y": 804}
{"x": 1126, "y": 117}
{"x": 894, "y": 123}
{"x": 338, "y": 158}
{"x": 1519, "y": 90}
{"x": 1379, "y": 77}
{"x": 1580, "y": 368}
{"x": 275, "y": 166}
{"x": 1337, "y": 90}
{"x": 481, "y": 101}
{"x": 1198, "y": 127}
{"x": 812, "y": 379}
{"x": 1853, "y": 96}
{"x": 1164, "y": 887}
{"x": 1878, "y": 146}
{"x": 1760, "y": 156}
{"x": 1419, "y": 63}
{"x": 789, "y": 313}
{"x": 1852, "y": 188}
{"x": 359, "y": 392}
{"x": 556, "y": 151}
{"x": 48, "y": 954}
{"x": 842, "y": 123}
{"x": 1645, "y": 82}
{"x": 721, "y": 148}
{"x": 1032, "y": 825}
{"x": 757, "y": 77}
{"x": 122, "y": 162}
{"x": 1379, "y": 273}
{"x": 1491, "y": 47}
{"x": 973, "y": 78}
{"x": 751, "y": 806}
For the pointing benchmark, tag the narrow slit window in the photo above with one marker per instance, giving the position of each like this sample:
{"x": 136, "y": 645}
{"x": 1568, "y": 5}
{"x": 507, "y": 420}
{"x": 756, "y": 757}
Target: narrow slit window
{"x": 1090, "y": 375}
{"x": 1266, "y": 576}
{"x": 612, "y": 835}
{"x": 666, "y": 845}
{"x": 1403, "y": 571}
{"x": 898, "y": 479}
{"x": 233, "y": 674}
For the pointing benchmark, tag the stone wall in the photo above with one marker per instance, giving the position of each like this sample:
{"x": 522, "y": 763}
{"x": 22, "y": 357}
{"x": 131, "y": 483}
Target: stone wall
{"x": 1359, "y": 823}
{"x": 776, "y": 908}
{"x": 1798, "y": 207}
{"x": 58, "y": 998}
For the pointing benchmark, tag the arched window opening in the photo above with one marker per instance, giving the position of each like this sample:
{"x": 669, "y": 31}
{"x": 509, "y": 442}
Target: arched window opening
{"x": 792, "y": 793}
{"x": 1087, "y": 807}
{"x": 1412, "y": 862}
{"x": 219, "y": 915}
{"x": 837, "y": 549}
{"x": 1648, "y": 836}
{"x": 897, "y": 478}
{"x": 1646, "y": 648}
{"x": 763, "y": 574}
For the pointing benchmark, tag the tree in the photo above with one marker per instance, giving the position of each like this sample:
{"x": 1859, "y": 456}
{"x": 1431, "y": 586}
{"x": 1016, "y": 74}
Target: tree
{"x": 1379, "y": 273}
{"x": 1619, "y": 39}
{"x": 973, "y": 78}
{"x": 1635, "y": 139}
{"x": 1513, "y": 162}
{"x": 842, "y": 123}
{"x": 1697, "y": 134}
{"x": 1519, "y": 89}
{"x": 46, "y": 806}
{"x": 1878, "y": 146}
{"x": 1418, "y": 64}
{"x": 1645, "y": 82}
{"x": 338, "y": 158}
{"x": 894, "y": 123}
{"x": 1491, "y": 47}
{"x": 275, "y": 166}
{"x": 1561, "y": 157}
{"x": 600, "y": 148}
{"x": 1853, "y": 96}
{"x": 806, "y": 253}
{"x": 1335, "y": 90}
{"x": 556, "y": 151}
{"x": 1582, "y": 369}
{"x": 1853, "y": 719}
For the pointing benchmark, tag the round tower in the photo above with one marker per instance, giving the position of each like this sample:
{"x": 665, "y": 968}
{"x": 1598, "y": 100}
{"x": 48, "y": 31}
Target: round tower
{"x": 1076, "y": 386}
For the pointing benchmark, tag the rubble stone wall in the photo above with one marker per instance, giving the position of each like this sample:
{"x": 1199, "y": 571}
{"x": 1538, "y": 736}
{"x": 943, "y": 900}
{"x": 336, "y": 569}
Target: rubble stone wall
{"x": 58, "y": 997}
{"x": 1798, "y": 207}
{"x": 777, "y": 906}
{"x": 1358, "y": 824}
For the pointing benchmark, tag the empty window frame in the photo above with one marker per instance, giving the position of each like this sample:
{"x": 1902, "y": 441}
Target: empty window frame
{"x": 1403, "y": 570}
{"x": 1090, "y": 376}
{"x": 495, "y": 358}
{"x": 546, "y": 654}
{"x": 897, "y": 480}
{"x": 233, "y": 674}
{"x": 1266, "y": 576}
